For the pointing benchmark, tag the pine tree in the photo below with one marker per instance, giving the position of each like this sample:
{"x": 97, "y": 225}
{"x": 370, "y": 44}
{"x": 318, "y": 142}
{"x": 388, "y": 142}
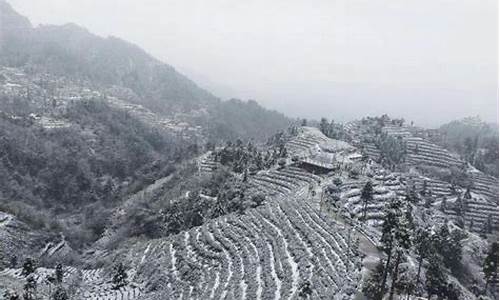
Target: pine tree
{"x": 11, "y": 295}
{"x": 422, "y": 248}
{"x": 13, "y": 261}
{"x": 59, "y": 273}
{"x": 406, "y": 284}
{"x": 428, "y": 202}
{"x": 411, "y": 195}
{"x": 403, "y": 242}
{"x": 490, "y": 265}
{"x": 120, "y": 277}
{"x": 324, "y": 126}
{"x": 60, "y": 294}
{"x": 423, "y": 192}
{"x": 245, "y": 175}
{"x": 435, "y": 277}
{"x": 366, "y": 196}
{"x": 372, "y": 286}
{"x": 391, "y": 215}
{"x": 467, "y": 194}
{"x": 449, "y": 246}
{"x": 305, "y": 290}
{"x": 28, "y": 267}
{"x": 443, "y": 205}
{"x": 487, "y": 226}
{"x": 30, "y": 288}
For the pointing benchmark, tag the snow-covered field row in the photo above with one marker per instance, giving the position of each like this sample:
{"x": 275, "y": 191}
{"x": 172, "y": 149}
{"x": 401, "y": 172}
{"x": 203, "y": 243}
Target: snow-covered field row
{"x": 476, "y": 214}
{"x": 486, "y": 185}
{"x": 267, "y": 253}
{"x": 94, "y": 284}
{"x": 283, "y": 182}
{"x": 385, "y": 187}
{"x": 420, "y": 151}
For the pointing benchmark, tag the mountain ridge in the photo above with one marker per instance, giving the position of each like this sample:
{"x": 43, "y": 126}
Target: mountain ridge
{"x": 72, "y": 51}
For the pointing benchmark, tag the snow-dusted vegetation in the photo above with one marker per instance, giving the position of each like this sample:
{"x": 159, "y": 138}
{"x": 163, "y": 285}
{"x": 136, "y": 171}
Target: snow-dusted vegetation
{"x": 121, "y": 179}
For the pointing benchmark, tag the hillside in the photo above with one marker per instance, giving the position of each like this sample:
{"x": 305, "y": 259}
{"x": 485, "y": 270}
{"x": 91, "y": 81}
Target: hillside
{"x": 122, "y": 179}
{"x": 474, "y": 140}
{"x": 73, "y": 52}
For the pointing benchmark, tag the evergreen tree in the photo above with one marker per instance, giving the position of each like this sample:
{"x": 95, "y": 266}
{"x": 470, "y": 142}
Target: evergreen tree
{"x": 30, "y": 288}
{"x": 13, "y": 261}
{"x": 60, "y": 294}
{"x": 411, "y": 195}
{"x": 490, "y": 265}
{"x": 305, "y": 290}
{"x": 324, "y": 126}
{"x": 245, "y": 175}
{"x": 424, "y": 191}
{"x": 487, "y": 226}
{"x": 467, "y": 194}
{"x": 120, "y": 277}
{"x": 443, "y": 205}
{"x": 11, "y": 295}
{"x": 372, "y": 288}
{"x": 403, "y": 242}
{"x": 422, "y": 248}
{"x": 460, "y": 206}
{"x": 435, "y": 277}
{"x": 366, "y": 196}
{"x": 406, "y": 284}
{"x": 391, "y": 216}
{"x": 28, "y": 267}
{"x": 427, "y": 202}
{"x": 59, "y": 273}
{"x": 449, "y": 246}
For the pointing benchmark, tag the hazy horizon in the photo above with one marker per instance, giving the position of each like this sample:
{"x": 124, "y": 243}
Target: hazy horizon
{"x": 426, "y": 61}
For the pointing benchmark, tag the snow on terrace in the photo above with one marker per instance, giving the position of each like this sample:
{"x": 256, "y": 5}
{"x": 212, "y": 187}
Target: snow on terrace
{"x": 53, "y": 123}
{"x": 311, "y": 138}
{"x": 267, "y": 253}
{"x": 313, "y": 148}
{"x": 149, "y": 117}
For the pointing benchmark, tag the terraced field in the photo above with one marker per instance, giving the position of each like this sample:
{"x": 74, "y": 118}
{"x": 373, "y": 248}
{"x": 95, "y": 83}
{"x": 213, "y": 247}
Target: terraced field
{"x": 16, "y": 238}
{"x": 94, "y": 284}
{"x": 485, "y": 185}
{"x": 434, "y": 187}
{"x": 385, "y": 187}
{"x": 401, "y": 131}
{"x": 477, "y": 212}
{"x": 267, "y": 253}
{"x": 283, "y": 182}
{"x": 307, "y": 139}
{"x": 420, "y": 151}
{"x": 207, "y": 164}
{"x": 372, "y": 151}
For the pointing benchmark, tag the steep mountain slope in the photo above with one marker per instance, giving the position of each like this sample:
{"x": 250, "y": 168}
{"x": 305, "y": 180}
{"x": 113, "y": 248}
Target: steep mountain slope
{"x": 107, "y": 165}
{"x": 70, "y": 50}
{"x": 74, "y": 52}
{"x": 474, "y": 140}
{"x": 409, "y": 148}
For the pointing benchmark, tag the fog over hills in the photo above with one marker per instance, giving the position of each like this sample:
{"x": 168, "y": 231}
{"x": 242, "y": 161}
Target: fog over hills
{"x": 125, "y": 178}
{"x": 325, "y": 55}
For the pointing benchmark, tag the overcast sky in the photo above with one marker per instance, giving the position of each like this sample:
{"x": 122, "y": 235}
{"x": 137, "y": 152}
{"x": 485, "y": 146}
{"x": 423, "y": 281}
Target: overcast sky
{"x": 425, "y": 60}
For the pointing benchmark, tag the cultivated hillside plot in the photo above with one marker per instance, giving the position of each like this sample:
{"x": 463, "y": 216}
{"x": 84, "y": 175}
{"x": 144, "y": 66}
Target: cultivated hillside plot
{"x": 268, "y": 253}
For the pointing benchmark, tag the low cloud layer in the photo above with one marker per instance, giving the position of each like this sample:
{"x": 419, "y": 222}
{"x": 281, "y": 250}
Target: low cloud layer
{"x": 429, "y": 61}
